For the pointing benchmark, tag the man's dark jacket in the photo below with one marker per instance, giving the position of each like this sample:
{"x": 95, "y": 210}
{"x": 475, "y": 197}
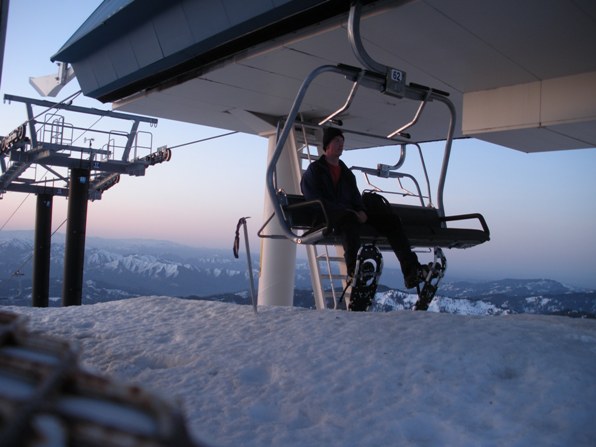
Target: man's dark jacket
{"x": 316, "y": 184}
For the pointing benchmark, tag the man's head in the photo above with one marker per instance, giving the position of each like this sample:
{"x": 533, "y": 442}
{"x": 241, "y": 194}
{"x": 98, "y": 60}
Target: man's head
{"x": 329, "y": 134}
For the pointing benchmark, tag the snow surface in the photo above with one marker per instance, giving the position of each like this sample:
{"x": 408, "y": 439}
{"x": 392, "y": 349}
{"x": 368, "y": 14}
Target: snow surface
{"x": 298, "y": 377}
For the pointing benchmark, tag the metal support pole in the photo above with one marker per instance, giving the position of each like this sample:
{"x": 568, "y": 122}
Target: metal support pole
{"x": 242, "y": 222}
{"x": 41, "y": 255}
{"x": 74, "y": 250}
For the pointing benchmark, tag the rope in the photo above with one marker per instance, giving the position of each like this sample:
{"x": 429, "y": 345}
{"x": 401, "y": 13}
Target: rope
{"x": 19, "y": 268}
{"x": 204, "y": 139}
{"x": 14, "y": 212}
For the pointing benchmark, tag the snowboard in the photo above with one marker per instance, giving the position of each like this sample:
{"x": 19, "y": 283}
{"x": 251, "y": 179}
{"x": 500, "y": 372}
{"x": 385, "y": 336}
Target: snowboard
{"x": 428, "y": 287}
{"x": 369, "y": 266}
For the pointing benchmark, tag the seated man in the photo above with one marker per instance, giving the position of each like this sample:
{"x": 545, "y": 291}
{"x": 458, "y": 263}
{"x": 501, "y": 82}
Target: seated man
{"x": 329, "y": 180}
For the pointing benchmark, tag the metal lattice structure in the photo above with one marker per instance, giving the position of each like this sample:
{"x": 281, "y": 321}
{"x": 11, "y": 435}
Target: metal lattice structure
{"x": 44, "y": 156}
{"x": 49, "y": 141}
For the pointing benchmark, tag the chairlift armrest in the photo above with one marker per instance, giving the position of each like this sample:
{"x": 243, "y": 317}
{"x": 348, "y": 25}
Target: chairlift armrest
{"x": 317, "y": 207}
{"x": 312, "y": 236}
{"x": 478, "y": 216}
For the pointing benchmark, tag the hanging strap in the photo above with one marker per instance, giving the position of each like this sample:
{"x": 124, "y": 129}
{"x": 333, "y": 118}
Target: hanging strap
{"x": 236, "y": 248}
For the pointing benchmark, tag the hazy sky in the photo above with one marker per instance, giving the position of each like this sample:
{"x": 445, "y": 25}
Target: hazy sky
{"x": 540, "y": 207}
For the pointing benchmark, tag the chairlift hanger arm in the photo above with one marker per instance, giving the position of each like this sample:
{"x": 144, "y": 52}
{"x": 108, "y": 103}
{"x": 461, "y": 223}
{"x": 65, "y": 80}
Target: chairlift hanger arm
{"x": 396, "y": 84}
{"x": 356, "y": 40}
{"x": 369, "y": 79}
{"x": 381, "y": 77}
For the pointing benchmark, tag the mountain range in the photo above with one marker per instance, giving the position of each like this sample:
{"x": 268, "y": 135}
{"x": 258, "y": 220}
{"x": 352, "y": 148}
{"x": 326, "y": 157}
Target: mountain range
{"x": 125, "y": 268}
{"x": 118, "y": 269}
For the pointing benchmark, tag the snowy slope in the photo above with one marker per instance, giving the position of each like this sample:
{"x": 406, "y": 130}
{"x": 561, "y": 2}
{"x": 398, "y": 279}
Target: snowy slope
{"x": 297, "y": 377}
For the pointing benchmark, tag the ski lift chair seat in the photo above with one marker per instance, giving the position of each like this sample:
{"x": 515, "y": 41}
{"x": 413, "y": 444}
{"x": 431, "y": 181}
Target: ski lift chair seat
{"x": 423, "y": 226}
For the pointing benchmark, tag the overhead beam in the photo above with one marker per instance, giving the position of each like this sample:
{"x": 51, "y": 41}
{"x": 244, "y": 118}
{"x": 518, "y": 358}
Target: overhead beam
{"x": 42, "y": 189}
{"x": 54, "y": 158}
{"x": 87, "y": 110}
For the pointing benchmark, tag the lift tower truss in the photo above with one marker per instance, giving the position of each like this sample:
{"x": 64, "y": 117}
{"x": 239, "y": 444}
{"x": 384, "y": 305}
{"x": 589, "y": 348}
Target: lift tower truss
{"x": 46, "y": 157}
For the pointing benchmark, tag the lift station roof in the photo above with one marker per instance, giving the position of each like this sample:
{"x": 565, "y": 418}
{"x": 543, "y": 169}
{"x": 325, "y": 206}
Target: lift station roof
{"x": 521, "y": 73}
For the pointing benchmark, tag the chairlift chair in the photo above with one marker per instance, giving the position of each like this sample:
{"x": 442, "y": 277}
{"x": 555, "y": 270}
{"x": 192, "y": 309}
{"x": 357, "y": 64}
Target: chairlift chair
{"x": 426, "y": 226}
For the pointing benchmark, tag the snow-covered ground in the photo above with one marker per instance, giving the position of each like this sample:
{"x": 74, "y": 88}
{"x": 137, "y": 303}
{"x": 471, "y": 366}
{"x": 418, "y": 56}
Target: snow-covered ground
{"x": 296, "y": 377}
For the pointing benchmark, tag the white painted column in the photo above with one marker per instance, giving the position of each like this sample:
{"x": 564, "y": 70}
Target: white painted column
{"x": 278, "y": 256}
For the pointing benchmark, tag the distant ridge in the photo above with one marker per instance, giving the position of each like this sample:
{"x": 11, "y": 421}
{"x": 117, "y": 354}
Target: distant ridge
{"x": 124, "y": 268}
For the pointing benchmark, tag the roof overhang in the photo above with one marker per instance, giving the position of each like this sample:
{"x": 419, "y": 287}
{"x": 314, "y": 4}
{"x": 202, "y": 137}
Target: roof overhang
{"x": 520, "y": 74}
